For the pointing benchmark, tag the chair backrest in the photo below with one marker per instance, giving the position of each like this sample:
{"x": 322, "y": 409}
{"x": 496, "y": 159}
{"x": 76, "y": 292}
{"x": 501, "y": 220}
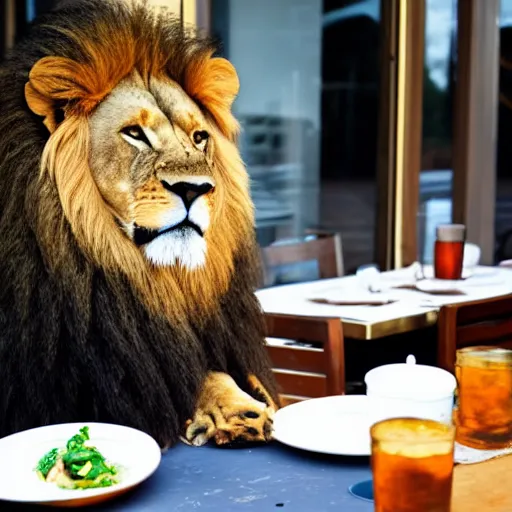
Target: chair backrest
{"x": 323, "y": 248}
{"x": 481, "y": 322}
{"x": 313, "y": 366}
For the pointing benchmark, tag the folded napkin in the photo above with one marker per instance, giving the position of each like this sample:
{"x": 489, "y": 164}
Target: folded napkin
{"x": 466, "y": 455}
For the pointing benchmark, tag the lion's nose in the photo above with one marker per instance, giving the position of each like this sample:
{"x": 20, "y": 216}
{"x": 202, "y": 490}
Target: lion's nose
{"x": 188, "y": 192}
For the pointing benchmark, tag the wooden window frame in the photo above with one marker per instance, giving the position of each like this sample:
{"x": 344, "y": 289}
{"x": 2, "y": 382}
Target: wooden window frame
{"x": 475, "y": 127}
{"x": 476, "y": 121}
{"x": 400, "y": 134}
{"x": 8, "y": 19}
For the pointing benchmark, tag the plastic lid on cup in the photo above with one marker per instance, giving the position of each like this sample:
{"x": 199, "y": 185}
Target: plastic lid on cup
{"x": 411, "y": 381}
{"x": 451, "y": 233}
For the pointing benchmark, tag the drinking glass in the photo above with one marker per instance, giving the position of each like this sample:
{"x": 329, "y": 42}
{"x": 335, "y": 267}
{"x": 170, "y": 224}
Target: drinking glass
{"x": 484, "y": 415}
{"x": 449, "y": 251}
{"x": 412, "y": 464}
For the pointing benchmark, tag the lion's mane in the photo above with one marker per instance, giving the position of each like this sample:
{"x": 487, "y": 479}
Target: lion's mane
{"x": 80, "y": 338}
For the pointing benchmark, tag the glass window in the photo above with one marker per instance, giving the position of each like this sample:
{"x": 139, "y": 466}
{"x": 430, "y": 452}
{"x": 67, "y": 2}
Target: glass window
{"x": 349, "y": 129}
{"x": 435, "y": 205}
{"x": 503, "y": 218}
{"x": 308, "y": 105}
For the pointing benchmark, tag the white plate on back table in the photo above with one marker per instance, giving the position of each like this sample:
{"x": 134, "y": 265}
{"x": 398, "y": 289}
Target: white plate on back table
{"x": 135, "y": 452}
{"x": 335, "y": 425}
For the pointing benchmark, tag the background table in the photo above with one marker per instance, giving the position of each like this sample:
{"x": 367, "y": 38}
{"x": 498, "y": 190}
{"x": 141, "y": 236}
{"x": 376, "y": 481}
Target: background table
{"x": 262, "y": 478}
{"x": 412, "y": 311}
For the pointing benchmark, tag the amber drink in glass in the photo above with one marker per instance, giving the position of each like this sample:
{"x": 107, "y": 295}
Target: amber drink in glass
{"x": 484, "y": 415}
{"x": 449, "y": 251}
{"x": 412, "y": 464}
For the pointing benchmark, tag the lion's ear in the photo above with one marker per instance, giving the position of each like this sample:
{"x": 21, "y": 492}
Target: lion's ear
{"x": 213, "y": 82}
{"x": 54, "y": 82}
{"x": 220, "y": 81}
{"x": 41, "y": 106}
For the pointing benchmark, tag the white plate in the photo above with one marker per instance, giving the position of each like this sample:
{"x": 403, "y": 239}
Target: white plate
{"x": 482, "y": 273}
{"x": 447, "y": 285}
{"x": 336, "y": 425}
{"x": 135, "y": 452}
{"x": 440, "y": 285}
{"x": 428, "y": 272}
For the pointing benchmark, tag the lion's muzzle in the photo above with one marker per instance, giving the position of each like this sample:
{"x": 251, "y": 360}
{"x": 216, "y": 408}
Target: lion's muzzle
{"x": 176, "y": 220}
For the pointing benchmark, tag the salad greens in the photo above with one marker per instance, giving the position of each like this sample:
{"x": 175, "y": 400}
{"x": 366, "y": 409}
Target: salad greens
{"x": 78, "y": 466}
{"x": 47, "y": 462}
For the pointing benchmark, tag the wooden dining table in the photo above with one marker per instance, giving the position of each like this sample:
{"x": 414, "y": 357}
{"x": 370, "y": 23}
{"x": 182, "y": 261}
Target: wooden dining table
{"x": 274, "y": 477}
{"x": 408, "y": 309}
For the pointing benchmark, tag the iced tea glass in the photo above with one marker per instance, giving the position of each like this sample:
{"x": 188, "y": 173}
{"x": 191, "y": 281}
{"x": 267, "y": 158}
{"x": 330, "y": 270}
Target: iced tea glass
{"x": 412, "y": 464}
{"x": 484, "y": 415}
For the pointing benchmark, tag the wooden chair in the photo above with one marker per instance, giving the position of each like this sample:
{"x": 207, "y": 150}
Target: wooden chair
{"x": 481, "y": 322}
{"x": 325, "y": 248}
{"x": 312, "y": 368}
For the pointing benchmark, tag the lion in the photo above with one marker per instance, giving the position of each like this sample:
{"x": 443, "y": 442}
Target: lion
{"x": 128, "y": 257}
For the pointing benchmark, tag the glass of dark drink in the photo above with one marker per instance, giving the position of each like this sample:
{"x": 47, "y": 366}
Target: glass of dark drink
{"x": 449, "y": 251}
{"x": 412, "y": 464}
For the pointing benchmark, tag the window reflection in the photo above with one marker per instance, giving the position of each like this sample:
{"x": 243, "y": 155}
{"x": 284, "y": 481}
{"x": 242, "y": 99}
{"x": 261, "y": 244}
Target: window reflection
{"x": 276, "y": 49}
{"x": 350, "y": 105}
{"x": 503, "y": 212}
{"x": 309, "y": 73}
{"x": 436, "y": 164}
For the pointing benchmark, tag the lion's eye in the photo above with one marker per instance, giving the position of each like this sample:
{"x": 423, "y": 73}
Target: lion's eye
{"x": 136, "y": 133}
{"x": 200, "y": 136}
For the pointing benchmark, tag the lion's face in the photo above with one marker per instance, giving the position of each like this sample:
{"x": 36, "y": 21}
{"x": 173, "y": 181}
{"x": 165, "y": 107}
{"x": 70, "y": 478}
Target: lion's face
{"x": 151, "y": 156}
{"x": 141, "y": 156}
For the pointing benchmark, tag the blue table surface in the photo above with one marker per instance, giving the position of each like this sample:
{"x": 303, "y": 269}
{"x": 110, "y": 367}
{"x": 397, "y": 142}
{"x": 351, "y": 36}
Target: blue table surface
{"x": 263, "y": 478}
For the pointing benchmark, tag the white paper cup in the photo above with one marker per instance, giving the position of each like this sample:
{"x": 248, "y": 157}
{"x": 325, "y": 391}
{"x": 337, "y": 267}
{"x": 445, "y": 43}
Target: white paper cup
{"x": 411, "y": 390}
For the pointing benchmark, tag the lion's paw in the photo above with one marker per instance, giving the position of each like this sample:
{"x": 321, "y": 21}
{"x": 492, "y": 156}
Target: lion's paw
{"x": 228, "y": 415}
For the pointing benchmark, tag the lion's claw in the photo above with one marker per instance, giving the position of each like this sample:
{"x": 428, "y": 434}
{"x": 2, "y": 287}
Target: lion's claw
{"x": 228, "y": 415}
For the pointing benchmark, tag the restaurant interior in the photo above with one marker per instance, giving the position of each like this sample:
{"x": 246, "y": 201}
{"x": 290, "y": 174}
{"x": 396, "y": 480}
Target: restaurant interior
{"x": 377, "y": 138}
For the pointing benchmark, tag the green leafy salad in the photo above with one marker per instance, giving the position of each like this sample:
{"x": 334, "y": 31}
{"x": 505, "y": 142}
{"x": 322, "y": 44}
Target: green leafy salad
{"x": 78, "y": 466}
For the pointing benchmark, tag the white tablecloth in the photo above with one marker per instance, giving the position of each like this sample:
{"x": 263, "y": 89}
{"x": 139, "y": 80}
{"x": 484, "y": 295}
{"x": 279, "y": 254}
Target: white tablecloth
{"x": 485, "y": 282}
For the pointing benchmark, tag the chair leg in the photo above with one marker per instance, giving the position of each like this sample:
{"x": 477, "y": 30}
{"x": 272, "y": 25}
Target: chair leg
{"x": 447, "y": 339}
